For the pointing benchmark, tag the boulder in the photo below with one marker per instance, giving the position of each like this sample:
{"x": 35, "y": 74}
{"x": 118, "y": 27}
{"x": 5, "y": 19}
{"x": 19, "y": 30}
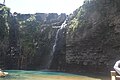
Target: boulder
{"x": 3, "y": 74}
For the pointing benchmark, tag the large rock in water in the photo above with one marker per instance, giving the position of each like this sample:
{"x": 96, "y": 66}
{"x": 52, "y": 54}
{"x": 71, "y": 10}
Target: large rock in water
{"x": 3, "y": 74}
{"x": 93, "y": 36}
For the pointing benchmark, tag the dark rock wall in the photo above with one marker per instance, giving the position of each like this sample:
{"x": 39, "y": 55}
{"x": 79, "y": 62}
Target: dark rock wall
{"x": 59, "y": 57}
{"x": 26, "y": 40}
{"x": 93, "y": 45}
{"x": 90, "y": 41}
{"x": 37, "y": 36}
{"x": 13, "y": 52}
{"x": 4, "y": 42}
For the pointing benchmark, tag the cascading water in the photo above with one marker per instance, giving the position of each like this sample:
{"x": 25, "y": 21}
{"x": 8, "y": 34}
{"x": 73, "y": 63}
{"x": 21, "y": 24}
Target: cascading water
{"x": 56, "y": 40}
{"x": 56, "y": 37}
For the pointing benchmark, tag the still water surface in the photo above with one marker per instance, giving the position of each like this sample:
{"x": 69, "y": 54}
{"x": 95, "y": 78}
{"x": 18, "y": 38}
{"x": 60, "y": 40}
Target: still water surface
{"x": 46, "y": 75}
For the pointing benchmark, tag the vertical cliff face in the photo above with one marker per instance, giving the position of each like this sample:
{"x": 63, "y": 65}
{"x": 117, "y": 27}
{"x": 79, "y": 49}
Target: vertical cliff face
{"x": 26, "y": 40}
{"x": 9, "y": 39}
{"x": 89, "y": 42}
{"x": 93, "y": 35}
{"x": 4, "y": 34}
{"x": 13, "y": 52}
{"x": 36, "y": 38}
{"x": 58, "y": 52}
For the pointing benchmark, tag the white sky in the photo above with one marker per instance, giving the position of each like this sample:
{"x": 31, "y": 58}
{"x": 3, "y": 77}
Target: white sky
{"x": 43, "y": 6}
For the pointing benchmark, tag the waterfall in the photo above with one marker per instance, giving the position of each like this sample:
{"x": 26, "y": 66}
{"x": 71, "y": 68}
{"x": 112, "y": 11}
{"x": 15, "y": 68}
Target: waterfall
{"x": 56, "y": 37}
{"x": 55, "y": 43}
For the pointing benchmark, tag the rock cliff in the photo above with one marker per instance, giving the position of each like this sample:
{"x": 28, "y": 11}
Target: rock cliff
{"x": 26, "y": 40}
{"x": 93, "y": 35}
{"x": 89, "y": 42}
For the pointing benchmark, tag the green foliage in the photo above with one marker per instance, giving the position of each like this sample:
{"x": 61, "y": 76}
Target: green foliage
{"x": 29, "y": 27}
{"x": 32, "y": 18}
{"x": 77, "y": 20}
{"x": 2, "y": 28}
{"x": 73, "y": 24}
{"x": 3, "y": 21}
{"x": 4, "y": 11}
{"x": 80, "y": 13}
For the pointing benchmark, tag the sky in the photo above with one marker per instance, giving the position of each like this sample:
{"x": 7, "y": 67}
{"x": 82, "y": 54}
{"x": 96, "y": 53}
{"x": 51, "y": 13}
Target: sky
{"x": 43, "y": 6}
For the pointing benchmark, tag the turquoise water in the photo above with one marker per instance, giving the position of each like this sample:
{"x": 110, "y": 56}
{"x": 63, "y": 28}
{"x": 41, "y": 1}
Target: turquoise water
{"x": 44, "y": 75}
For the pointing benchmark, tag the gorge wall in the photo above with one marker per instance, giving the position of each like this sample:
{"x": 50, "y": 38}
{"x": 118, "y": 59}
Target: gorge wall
{"x": 37, "y": 37}
{"x": 89, "y": 42}
{"x": 27, "y": 39}
{"x": 93, "y": 35}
